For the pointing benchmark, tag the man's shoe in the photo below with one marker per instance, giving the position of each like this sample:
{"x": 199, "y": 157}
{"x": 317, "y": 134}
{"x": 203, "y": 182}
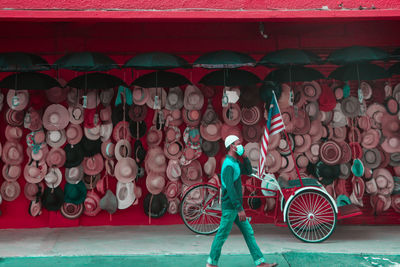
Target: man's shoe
{"x": 211, "y": 265}
{"x": 264, "y": 264}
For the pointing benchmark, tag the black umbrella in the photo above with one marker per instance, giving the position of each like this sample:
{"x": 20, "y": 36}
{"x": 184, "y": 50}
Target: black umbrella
{"x": 86, "y": 61}
{"x": 19, "y": 61}
{"x": 224, "y": 59}
{"x": 29, "y": 81}
{"x": 230, "y": 77}
{"x": 156, "y": 61}
{"x": 394, "y": 69}
{"x": 289, "y": 56}
{"x": 357, "y": 72}
{"x": 96, "y": 80}
{"x": 357, "y": 54}
{"x": 294, "y": 74}
{"x": 161, "y": 79}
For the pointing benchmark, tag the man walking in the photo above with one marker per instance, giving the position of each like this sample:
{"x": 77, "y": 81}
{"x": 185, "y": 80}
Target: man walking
{"x": 232, "y": 209}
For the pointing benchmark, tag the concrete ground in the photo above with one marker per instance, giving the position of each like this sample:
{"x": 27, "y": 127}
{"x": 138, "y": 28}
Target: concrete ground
{"x": 176, "y": 246}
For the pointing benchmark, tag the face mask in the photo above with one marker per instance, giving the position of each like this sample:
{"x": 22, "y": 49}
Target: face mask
{"x": 239, "y": 150}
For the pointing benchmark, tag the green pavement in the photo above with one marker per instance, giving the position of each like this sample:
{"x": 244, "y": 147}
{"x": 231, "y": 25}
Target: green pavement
{"x": 292, "y": 259}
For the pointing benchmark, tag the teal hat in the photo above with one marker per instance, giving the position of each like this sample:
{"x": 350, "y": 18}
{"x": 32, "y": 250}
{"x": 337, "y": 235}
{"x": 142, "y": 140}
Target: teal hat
{"x": 343, "y": 200}
{"x": 75, "y": 193}
{"x": 357, "y": 168}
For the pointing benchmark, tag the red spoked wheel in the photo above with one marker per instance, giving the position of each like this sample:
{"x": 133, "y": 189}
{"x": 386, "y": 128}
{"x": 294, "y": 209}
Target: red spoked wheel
{"x": 311, "y": 216}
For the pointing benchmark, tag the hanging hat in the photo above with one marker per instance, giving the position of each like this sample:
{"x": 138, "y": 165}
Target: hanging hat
{"x": 339, "y": 134}
{"x": 140, "y": 95}
{"x": 311, "y": 90}
{"x": 91, "y": 181}
{"x": 93, "y": 165}
{"x": 173, "y": 170}
{"x": 155, "y": 160}
{"x": 209, "y": 115}
{"x": 172, "y": 134}
{"x": 283, "y": 101}
{"x": 191, "y": 117}
{"x": 312, "y": 110}
{"x": 330, "y": 153}
{"x": 10, "y": 190}
{"x": 109, "y": 202}
{"x": 74, "y": 155}
{"x": 366, "y": 90}
{"x": 53, "y": 198}
{"x": 396, "y": 202}
{"x": 15, "y": 117}
{"x": 326, "y": 117}
{"x": 390, "y": 145}
{"x": 35, "y": 174}
{"x": 287, "y": 164}
{"x": 76, "y": 114}
{"x": 390, "y": 125}
{"x": 123, "y": 149}
{"x": 370, "y": 138}
{"x": 375, "y": 111}
{"x": 71, "y": 211}
{"x": 301, "y": 161}
{"x": 137, "y": 129}
{"x": 11, "y": 172}
{"x": 189, "y": 154}
{"x": 288, "y": 118}
{"x": 56, "y": 138}
{"x": 139, "y": 151}
{"x": 385, "y": 158}
{"x": 209, "y": 166}
{"x": 346, "y": 152}
{"x": 392, "y": 105}
{"x": 211, "y": 132}
{"x": 155, "y": 183}
{"x": 93, "y": 99}
{"x": 371, "y": 158}
{"x": 153, "y": 137}
{"x": 364, "y": 123}
{"x": 173, "y": 206}
{"x": 92, "y": 204}
{"x": 92, "y": 133}
{"x": 75, "y": 193}
{"x": 210, "y": 148}
{"x": 126, "y": 170}
{"x": 17, "y": 100}
{"x": 55, "y": 117}
{"x": 121, "y": 131}
{"x": 231, "y": 114}
{"x": 56, "y": 158}
{"x": 106, "y": 96}
{"x": 57, "y": 94}
{"x": 315, "y": 131}
{"x": 283, "y": 146}
{"x": 251, "y": 116}
{"x": 173, "y": 117}
{"x": 74, "y": 134}
{"x": 350, "y": 107}
{"x": 193, "y": 98}
{"x": 345, "y": 170}
{"x": 299, "y": 99}
{"x": 118, "y": 114}
{"x": 162, "y": 96}
{"x": 192, "y": 173}
{"x": 174, "y": 98}
{"x": 253, "y": 153}
{"x": 339, "y": 119}
{"x": 230, "y": 130}
{"x": 53, "y": 178}
{"x": 173, "y": 150}
{"x": 91, "y": 118}
{"x": 12, "y": 153}
{"x": 252, "y": 133}
{"x": 137, "y": 113}
{"x": 384, "y": 181}
{"x": 33, "y": 191}
{"x": 395, "y": 159}
{"x": 33, "y": 120}
{"x": 74, "y": 95}
{"x": 74, "y": 175}
{"x": 301, "y": 122}
{"x": 13, "y": 133}
{"x": 380, "y": 203}
{"x": 273, "y": 161}
{"x": 125, "y": 194}
{"x": 155, "y": 206}
{"x": 302, "y": 143}
{"x": 172, "y": 190}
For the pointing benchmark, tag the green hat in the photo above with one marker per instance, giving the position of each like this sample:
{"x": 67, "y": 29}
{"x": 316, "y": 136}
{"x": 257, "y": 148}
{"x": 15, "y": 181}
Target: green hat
{"x": 75, "y": 193}
{"x": 357, "y": 168}
{"x": 343, "y": 200}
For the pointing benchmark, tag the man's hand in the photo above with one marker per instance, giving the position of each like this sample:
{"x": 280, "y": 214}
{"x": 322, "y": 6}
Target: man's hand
{"x": 242, "y": 215}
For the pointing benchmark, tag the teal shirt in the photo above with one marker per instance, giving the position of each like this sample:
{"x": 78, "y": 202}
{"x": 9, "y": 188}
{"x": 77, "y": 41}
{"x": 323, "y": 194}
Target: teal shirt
{"x": 232, "y": 169}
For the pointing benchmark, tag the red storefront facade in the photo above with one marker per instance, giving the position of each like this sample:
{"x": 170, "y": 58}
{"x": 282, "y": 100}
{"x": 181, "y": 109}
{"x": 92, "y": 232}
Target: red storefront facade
{"x": 122, "y": 29}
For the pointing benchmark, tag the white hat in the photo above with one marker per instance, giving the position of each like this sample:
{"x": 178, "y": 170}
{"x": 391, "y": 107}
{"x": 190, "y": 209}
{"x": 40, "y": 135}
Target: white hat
{"x": 125, "y": 194}
{"x": 230, "y": 139}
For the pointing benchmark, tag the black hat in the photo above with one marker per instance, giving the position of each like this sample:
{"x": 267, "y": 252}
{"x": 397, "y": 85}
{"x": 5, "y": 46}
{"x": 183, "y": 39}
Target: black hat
{"x": 74, "y": 155}
{"x": 210, "y": 148}
{"x": 90, "y": 147}
{"x": 139, "y": 151}
{"x": 135, "y": 126}
{"x": 118, "y": 114}
{"x": 53, "y": 198}
{"x": 159, "y": 205}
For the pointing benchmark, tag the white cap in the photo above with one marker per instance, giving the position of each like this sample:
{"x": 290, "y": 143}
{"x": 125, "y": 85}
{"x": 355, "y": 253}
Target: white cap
{"x": 230, "y": 139}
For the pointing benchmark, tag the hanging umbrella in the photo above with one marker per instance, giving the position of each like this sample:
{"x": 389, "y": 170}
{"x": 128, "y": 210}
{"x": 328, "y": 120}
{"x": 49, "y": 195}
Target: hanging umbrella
{"x": 29, "y": 81}
{"x": 230, "y": 77}
{"x": 395, "y": 54}
{"x": 86, "y": 61}
{"x": 160, "y": 79}
{"x": 357, "y": 72}
{"x": 289, "y": 56}
{"x": 294, "y": 74}
{"x": 357, "y": 54}
{"x": 156, "y": 61}
{"x": 394, "y": 69}
{"x": 96, "y": 80}
{"x": 224, "y": 59}
{"x": 19, "y": 61}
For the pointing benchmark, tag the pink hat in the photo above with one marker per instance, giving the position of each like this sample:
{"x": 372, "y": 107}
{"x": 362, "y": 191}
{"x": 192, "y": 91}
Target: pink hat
{"x": 312, "y": 110}
{"x": 283, "y": 100}
{"x": 193, "y": 98}
{"x": 311, "y": 90}
{"x": 173, "y": 170}
{"x": 12, "y": 153}
{"x": 74, "y": 134}
{"x": 390, "y": 125}
{"x": 364, "y": 123}
{"x": 160, "y": 92}
{"x": 384, "y": 181}
{"x": 346, "y": 152}
{"x": 366, "y": 90}
{"x": 339, "y": 134}
{"x": 172, "y": 134}
{"x": 192, "y": 173}
{"x": 15, "y": 117}
{"x": 56, "y": 138}
{"x": 92, "y": 204}
{"x": 13, "y": 133}
{"x": 35, "y": 174}
{"x": 251, "y": 116}
{"x": 155, "y": 183}
{"x": 302, "y": 143}
{"x": 232, "y": 114}
{"x": 11, "y": 172}
{"x": 140, "y": 95}
{"x": 315, "y": 131}
{"x": 172, "y": 189}
{"x": 313, "y": 153}
{"x": 354, "y": 135}
{"x": 174, "y": 118}
{"x": 56, "y": 158}
{"x": 123, "y": 149}
{"x": 190, "y": 154}
{"x": 173, "y": 206}
{"x": 380, "y": 203}
{"x": 288, "y": 118}
{"x": 57, "y": 94}
{"x": 273, "y": 162}
{"x": 92, "y": 133}
{"x": 73, "y": 96}
{"x": 191, "y": 117}
{"x": 274, "y": 141}
{"x": 330, "y": 153}
{"x": 209, "y": 166}
{"x": 391, "y": 144}
{"x": 155, "y": 160}
{"x": 173, "y": 150}
{"x": 93, "y": 99}
{"x": 287, "y": 164}
{"x": 121, "y": 131}
{"x": 105, "y": 114}
{"x": 53, "y": 178}
{"x": 126, "y": 170}
{"x": 32, "y": 191}
{"x": 76, "y": 114}
{"x": 17, "y": 100}
{"x": 252, "y": 133}
{"x": 153, "y": 137}
{"x": 93, "y": 165}
{"x": 10, "y": 190}
{"x": 228, "y": 130}
{"x": 301, "y": 122}
{"x": 211, "y": 132}
{"x": 375, "y": 111}
{"x": 370, "y": 138}
{"x": 253, "y": 152}
{"x": 108, "y": 149}
{"x": 302, "y": 161}
{"x": 33, "y": 120}
{"x": 396, "y": 202}
{"x": 55, "y": 117}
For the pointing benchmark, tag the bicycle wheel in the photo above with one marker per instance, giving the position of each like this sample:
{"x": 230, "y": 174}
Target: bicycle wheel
{"x": 200, "y": 209}
{"x": 311, "y": 216}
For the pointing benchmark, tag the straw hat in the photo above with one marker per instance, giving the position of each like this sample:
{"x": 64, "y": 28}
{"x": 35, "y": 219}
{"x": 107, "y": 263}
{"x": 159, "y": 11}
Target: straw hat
{"x": 153, "y": 92}
{"x": 193, "y": 98}
{"x": 140, "y": 95}
{"x": 174, "y": 98}
{"x": 252, "y": 133}
{"x": 301, "y": 123}
{"x": 71, "y": 211}
{"x": 126, "y": 170}
{"x": 191, "y": 117}
{"x": 173, "y": 150}
{"x": 121, "y": 131}
{"x": 76, "y": 114}
{"x": 13, "y": 133}
{"x": 384, "y": 181}
{"x": 56, "y": 138}
{"x": 273, "y": 161}
{"x": 92, "y": 204}
{"x": 33, "y": 120}
{"x": 350, "y": 107}
{"x": 123, "y": 149}
{"x": 125, "y": 194}
{"x": 391, "y": 144}
{"x": 173, "y": 170}
{"x": 251, "y": 116}
{"x": 232, "y": 114}
{"x": 53, "y": 178}
{"x": 17, "y": 100}
{"x": 55, "y": 117}
{"x": 10, "y": 190}
{"x": 57, "y": 94}
{"x": 33, "y": 191}
{"x": 93, "y": 165}
{"x": 155, "y": 183}
{"x": 211, "y": 132}
{"x": 375, "y": 111}
{"x": 11, "y": 172}
{"x": 311, "y": 90}
{"x": 153, "y": 137}
{"x": 192, "y": 173}
{"x": 74, "y": 134}
{"x": 390, "y": 125}
{"x": 106, "y": 96}
{"x": 302, "y": 143}
{"x": 74, "y": 175}
{"x": 330, "y": 153}
{"x": 15, "y": 117}
{"x": 56, "y": 158}
{"x": 155, "y": 160}
{"x": 12, "y": 153}
{"x": 372, "y": 158}
{"x": 209, "y": 166}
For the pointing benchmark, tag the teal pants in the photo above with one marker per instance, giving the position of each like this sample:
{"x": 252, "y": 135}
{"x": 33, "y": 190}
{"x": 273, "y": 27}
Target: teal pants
{"x": 227, "y": 219}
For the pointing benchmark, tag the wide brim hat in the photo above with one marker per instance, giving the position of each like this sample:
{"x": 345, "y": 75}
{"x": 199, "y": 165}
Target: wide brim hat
{"x": 189, "y": 154}
{"x": 302, "y": 143}
{"x": 339, "y": 119}
{"x": 33, "y": 191}
{"x": 339, "y": 134}
{"x": 56, "y": 158}
{"x": 273, "y": 161}
{"x": 384, "y": 181}
{"x": 140, "y": 95}
{"x": 380, "y": 203}
{"x": 232, "y": 114}
{"x": 315, "y": 131}
{"x": 74, "y": 134}
{"x": 390, "y": 145}
{"x": 12, "y": 153}
{"x": 137, "y": 112}
{"x": 33, "y": 120}
{"x": 287, "y": 164}
{"x": 126, "y": 170}
{"x": 193, "y": 98}
{"x": 93, "y": 165}
{"x": 366, "y": 89}
{"x": 108, "y": 149}
{"x": 53, "y": 178}
{"x": 74, "y": 155}
{"x": 121, "y": 131}
{"x": 56, "y": 138}
{"x": 252, "y": 151}
{"x": 11, "y": 172}
{"x": 53, "y": 198}
{"x": 74, "y": 175}
{"x": 312, "y": 109}
{"x": 172, "y": 189}
{"x": 284, "y": 99}
{"x": 93, "y": 99}
{"x": 210, "y": 148}
{"x": 123, "y": 149}
{"x": 92, "y": 133}
{"x": 251, "y": 116}
{"x": 137, "y": 129}
{"x": 109, "y": 202}
{"x": 155, "y": 160}
{"x": 395, "y": 159}
{"x": 284, "y": 147}
{"x": 13, "y": 133}
{"x": 55, "y": 117}
{"x": 311, "y": 90}
{"x": 350, "y": 107}
{"x": 71, "y": 211}
{"x": 396, "y": 202}
{"x": 35, "y": 174}
{"x": 57, "y": 94}
{"x": 173, "y": 205}
{"x": 370, "y": 138}
{"x": 252, "y": 133}
{"x": 17, "y": 99}
{"x": 371, "y": 158}
{"x": 160, "y": 92}
{"x": 15, "y": 117}
{"x": 211, "y": 132}
{"x": 155, "y": 183}
{"x": 154, "y": 137}
{"x": 75, "y": 193}
{"x": 390, "y": 125}
{"x": 301, "y": 122}
{"x": 106, "y": 96}
{"x": 173, "y": 170}
{"x": 172, "y": 133}
{"x": 301, "y": 160}
{"x": 330, "y": 153}
{"x": 174, "y": 98}
{"x": 76, "y": 114}
{"x": 376, "y": 111}
{"x": 364, "y": 123}
{"x": 173, "y": 117}
{"x": 346, "y": 152}
{"x": 92, "y": 204}
{"x": 125, "y": 194}
{"x": 288, "y": 118}
{"x": 192, "y": 173}
{"x": 209, "y": 166}
{"x": 91, "y": 181}
{"x": 10, "y": 190}
{"x": 209, "y": 115}
{"x": 173, "y": 150}
{"x": 90, "y": 147}
{"x": 392, "y": 105}
{"x": 155, "y": 206}
{"x": 191, "y": 117}
{"x": 299, "y": 99}
{"x": 227, "y": 130}
{"x": 192, "y": 137}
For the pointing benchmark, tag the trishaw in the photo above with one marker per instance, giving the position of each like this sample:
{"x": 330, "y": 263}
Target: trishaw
{"x": 303, "y": 205}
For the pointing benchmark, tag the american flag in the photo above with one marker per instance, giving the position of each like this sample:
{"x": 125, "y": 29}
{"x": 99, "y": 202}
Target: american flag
{"x": 274, "y": 125}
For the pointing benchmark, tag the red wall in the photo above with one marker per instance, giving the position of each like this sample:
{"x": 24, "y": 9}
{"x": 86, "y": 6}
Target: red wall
{"x": 122, "y": 40}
